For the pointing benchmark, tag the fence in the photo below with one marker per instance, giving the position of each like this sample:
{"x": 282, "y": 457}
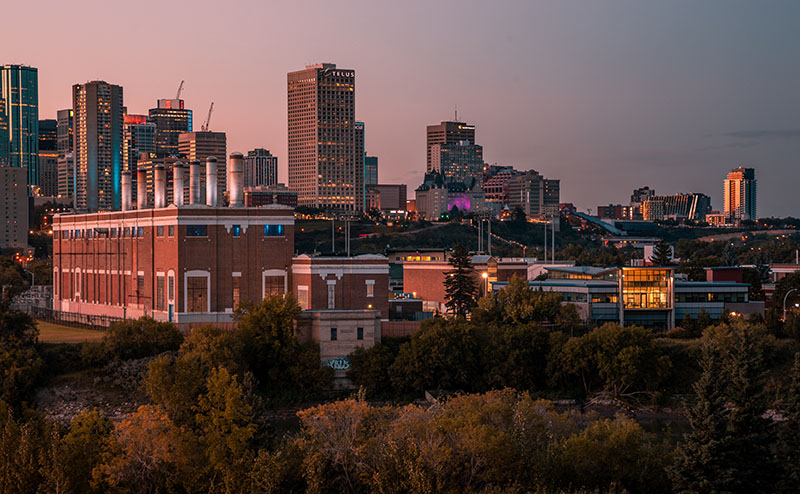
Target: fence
{"x": 72, "y": 319}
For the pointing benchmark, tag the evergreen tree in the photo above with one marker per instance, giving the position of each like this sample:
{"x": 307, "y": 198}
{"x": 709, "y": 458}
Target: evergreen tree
{"x": 662, "y": 254}
{"x": 752, "y": 435}
{"x": 700, "y": 464}
{"x": 459, "y": 282}
{"x": 789, "y": 436}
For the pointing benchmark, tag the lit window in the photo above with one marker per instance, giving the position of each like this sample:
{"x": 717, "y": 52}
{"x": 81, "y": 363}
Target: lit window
{"x": 236, "y": 230}
{"x": 273, "y": 230}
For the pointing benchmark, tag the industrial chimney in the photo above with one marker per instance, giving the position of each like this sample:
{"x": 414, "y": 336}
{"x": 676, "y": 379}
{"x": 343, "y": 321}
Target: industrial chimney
{"x": 126, "y": 190}
{"x": 211, "y": 181}
{"x": 235, "y": 180}
{"x": 141, "y": 188}
{"x": 160, "y": 186}
{"x": 177, "y": 183}
{"x": 194, "y": 182}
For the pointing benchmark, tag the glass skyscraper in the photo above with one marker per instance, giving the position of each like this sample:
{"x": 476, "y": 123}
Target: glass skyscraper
{"x": 19, "y": 118}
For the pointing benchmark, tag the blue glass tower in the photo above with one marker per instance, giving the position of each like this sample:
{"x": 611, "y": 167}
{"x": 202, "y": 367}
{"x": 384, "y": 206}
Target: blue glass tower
{"x": 19, "y": 118}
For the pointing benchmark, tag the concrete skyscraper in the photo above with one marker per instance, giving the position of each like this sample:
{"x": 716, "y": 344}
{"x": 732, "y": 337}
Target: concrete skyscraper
{"x": 326, "y": 166}
{"x": 19, "y": 119}
{"x": 139, "y": 136}
{"x": 260, "y": 168}
{"x": 739, "y": 192}
{"x": 447, "y": 133}
{"x": 65, "y": 142}
{"x": 199, "y": 146}
{"x": 171, "y": 119}
{"x": 98, "y": 119}
{"x": 48, "y": 159}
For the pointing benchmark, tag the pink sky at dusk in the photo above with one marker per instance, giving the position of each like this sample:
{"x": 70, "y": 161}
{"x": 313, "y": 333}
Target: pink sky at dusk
{"x": 607, "y": 95}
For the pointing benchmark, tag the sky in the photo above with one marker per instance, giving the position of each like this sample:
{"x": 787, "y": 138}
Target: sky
{"x": 607, "y": 96}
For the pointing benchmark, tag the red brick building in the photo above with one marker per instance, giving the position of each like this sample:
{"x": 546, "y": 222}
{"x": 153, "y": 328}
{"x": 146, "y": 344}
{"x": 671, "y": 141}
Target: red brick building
{"x": 183, "y": 264}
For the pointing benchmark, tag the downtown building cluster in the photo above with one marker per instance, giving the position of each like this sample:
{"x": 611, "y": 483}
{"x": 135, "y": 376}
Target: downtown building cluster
{"x": 739, "y": 203}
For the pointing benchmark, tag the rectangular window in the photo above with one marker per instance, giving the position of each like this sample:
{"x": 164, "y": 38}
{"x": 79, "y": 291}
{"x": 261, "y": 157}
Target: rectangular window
{"x": 302, "y": 297}
{"x": 334, "y": 334}
{"x": 171, "y": 230}
{"x": 140, "y": 286}
{"x": 159, "y": 231}
{"x": 331, "y": 296}
{"x": 126, "y": 232}
{"x": 273, "y": 230}
{"x": 113, "y": 233}
{"x": 140, "y": 231}
{"x": 236, "y": 230}
{"x": 236, "y": 282}
{"x": 359, "y": 333}
{"x": 370, "y": 288}
{"x": 197, "y": 294}
{"x": 273, "y": 285}
{"x": 171, "y": 288}
{"x": 160, "y": 293}
{"x": 196, "y": 230}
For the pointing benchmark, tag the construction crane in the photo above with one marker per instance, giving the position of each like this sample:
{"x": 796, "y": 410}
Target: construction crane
{"x": 204, "y": 127}
{"x": 180, "y": 88}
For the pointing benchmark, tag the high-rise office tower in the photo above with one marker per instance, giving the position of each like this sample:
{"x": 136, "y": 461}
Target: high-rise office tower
{"x": 360, "y": 154}
{"x": 740, "y": 194}
{"x": 13, "y": 207}
{"x": 48, "y": 159}
{"x": 98, "y": 118}
{"x": 326, "y": 168}
{"x": 19, "y": 90}
{"x": 260, "y": 168}
{"x": 460, "y": 162}
{"x": 171, "y": 119}
{"x": 370, "y": 170}
{"x": 66, "y": 158}
{"x": 447, "y": 133}
{"x": 201, "y": 145}
{"x": 139, "y": 136}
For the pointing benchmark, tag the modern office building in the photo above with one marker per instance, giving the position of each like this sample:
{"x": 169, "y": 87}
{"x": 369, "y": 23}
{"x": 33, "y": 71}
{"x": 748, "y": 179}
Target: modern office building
{"x": 537, "y": 196}
{"x": 66, "y": 157}
{"x": 260, "y": 168}
{"x": 98, "y": 122}
{"x": 495, "y": 183}
{"x": 389, "y": 197}
{"x": 739, "y": 192}
{"x": 693, "y": 206}
{"x": 13, "y": 207}
{"x": 361, "y": 154}
{"x": 447, "y": 133}
{"x": 326, "y": 163}
{"x": 48, "y": 135}
{"x": 459, "y": 162}
{"x": 19, "y": 119}
{"x": 646, "y": 296}
{"x": 139, "y": 136}
{"x": 48, "y": 159}
{"x": 614, "y": 212}
{"x": 199, "y": 146}
{"x": 370, "y": 170}
{"x": 171, "y": 119}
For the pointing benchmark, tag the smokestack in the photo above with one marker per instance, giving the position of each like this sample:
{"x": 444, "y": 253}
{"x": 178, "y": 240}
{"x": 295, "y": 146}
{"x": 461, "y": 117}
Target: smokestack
{"x": 211, "y": 181}
{"x": 126, "y": 190}
{"x": 141, "y": 188}
{"x": 235, "y": 180}
{"x": 177, "y": 183}
{"x": 160, "y": 186}
{"x": 194, "y": 182}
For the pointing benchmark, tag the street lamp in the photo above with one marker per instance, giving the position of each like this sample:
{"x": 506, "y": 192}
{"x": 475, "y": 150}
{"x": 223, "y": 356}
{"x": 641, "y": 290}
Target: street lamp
{"x": 784, "y": 302}
{"x": 485, "y": 277}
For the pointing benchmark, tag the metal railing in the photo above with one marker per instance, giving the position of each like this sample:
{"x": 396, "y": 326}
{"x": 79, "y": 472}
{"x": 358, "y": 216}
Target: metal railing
{"x": 72, "y": 319}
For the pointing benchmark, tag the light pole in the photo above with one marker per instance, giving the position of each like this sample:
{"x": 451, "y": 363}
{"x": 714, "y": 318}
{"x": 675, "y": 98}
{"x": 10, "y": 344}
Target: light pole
{"x": 33, "y": 277}
{"x": 784, "y": 302}
{"x": 485, "y": 277}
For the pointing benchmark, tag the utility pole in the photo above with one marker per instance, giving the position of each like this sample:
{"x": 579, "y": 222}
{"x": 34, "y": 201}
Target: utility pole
{"x": 489, "y": 237}
{"x": 333, "y": 234}
{"x": 553, "y": 245}
{"x": 545, "y": 242}
{"x": 480, "y": 235}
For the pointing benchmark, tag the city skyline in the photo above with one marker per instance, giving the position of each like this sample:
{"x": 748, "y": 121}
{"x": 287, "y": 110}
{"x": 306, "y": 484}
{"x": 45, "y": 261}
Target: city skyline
{"x": 617, "y": 94}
